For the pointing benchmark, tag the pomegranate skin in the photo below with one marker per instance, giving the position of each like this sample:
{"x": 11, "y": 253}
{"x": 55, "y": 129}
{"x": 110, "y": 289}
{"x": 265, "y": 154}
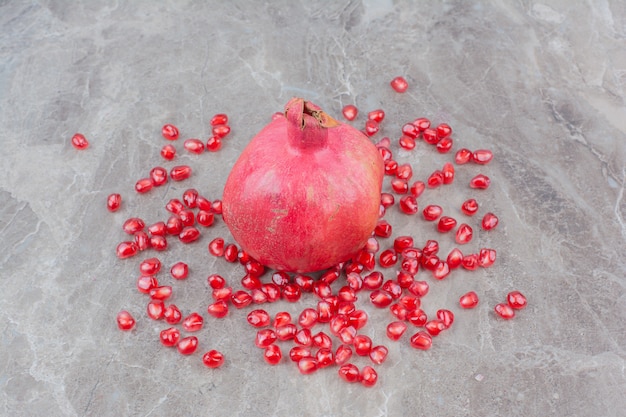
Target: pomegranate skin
{"x": 304, "y": 194}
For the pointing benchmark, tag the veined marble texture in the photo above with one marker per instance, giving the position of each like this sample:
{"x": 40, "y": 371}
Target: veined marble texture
{"x": 542, "y": 84}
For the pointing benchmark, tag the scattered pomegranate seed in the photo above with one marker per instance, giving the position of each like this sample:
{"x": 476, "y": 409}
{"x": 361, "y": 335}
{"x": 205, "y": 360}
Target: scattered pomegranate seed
{"x": 482, "y": 156}
{"x": 350, "y": 112}
{"x": 381, "y": 298}
{"x": 469, "y": 207}
{"x": 219, "y": 119}
{"x": 158, "y": 176}
{"x": 443, "y": 130}
{"x": 189, "y": 234}
{"x": 406, "y": 142}
{"x": 435, "y": 179}
{"x": 162, "y": 292}
{"x": 231, "y": 253}
{"x": 417, "y": 317}
{"x": 143, "y": 185}
{"x": 399, "y": 84}
{"x": 516, "y": 300}
{"x": 446, "y": 317}
{"x": 168, "y": 152}
{"x": 169, "y": 132}
{"x": 399, "y": 185}
{"x": 470, "y": 262}
{"x": 349, "y": 373}
{"x": 378, "y": 354}
{"x": 408, "y": 204}
{"x": 169, "y": 337}
{"x": 216, "y": 247}
{"x": 448, "y": 173}
{"x": 383, "y": 229}
{"x": 463, "y": 156}
{"x": 422, "y": 124}
{"x": 464, "y": 234}
{"x": 218, "y": 309}
{"x": 272, "y": 354}
{"x": 368, "y": 376}
{"x": 377, "y": 115}
{"x": 490, "y": 221}
{"x": 486, "y": 257}
{"x": 172, "y": 314}
{"x": 480, "y": 181}
{"x": 430, "y": 136}
{"x": 79, "y": 141}
{"x": 307, "y": 365}
{"x": 125, "y": 320}
{"x": 194, "y": 146}
{"x": 155, "y": 309}
{"x": 505, "y": 311}
{"x": 444, "y": 145}
{"x": 114, "y": 202}
{"x": 455, "y": 258}
{"x": 214, "y": 144}
{"x": 181, "y": 172}
{"x": 421, "y": 340}
{"x": 434, "y": 327}
{"x": 241, "y": 299}
{"x": 145, "y": 284}
{"x": 469, "y": 300}
{"x": 419, "y": 288}
{"x": 362, "y": 345}
{"x": 432, "y": 212}
{"x": 193, "y": 322}
{"x": 179, "y": 270}
{"x": 213, "y": 359}
{"x": 126, "y": 250}
{"x": 220, "y": 131}
{"x": 187, "y": 345}
{"x": 396, "y": 329}
{"x": 446, "y": 224}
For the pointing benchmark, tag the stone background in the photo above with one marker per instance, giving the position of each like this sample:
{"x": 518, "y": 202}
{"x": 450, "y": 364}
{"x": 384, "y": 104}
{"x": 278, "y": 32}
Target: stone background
{"x": 542, "y": 84}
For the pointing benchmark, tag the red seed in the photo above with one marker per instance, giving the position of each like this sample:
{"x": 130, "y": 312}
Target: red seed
{"x": 264, "y": 338}
{"x": 358, "y": 319}
{"x": 464, "y": 234}
{"x": 220, "y": 131}
{"x": 444, "y": 145}
{"x": 470, "y": 262}
{"x": 307, "y": 366}
{"x": 113, "y": 202}
{"x": 79, "y": 141}
{"x": 422, "y": 124}
{"x": 434, "y": 327}
{"x": 419, "y": 288}
{"x": 406, "y": 142}
{"x": 402, "y": 242}
{"x": 486, "y": 257}
{"x": 404, "y": 172}
{"x": 322, "y": 340}
{"x": 145, "y": 284}
{"x": 216, "y": 247}
{"x": 435, "y": 179}
{"x": 213, "y": 359}
{"x": 431, "y": 212}
{"x": 307, "y": 318}
{"x": 441, "y": 270}
{"x": 214, "y": 144}
{"x": 125, "y": 320}
{"x": 388, "y": 258}
{"x": 377, "y": 115}
{"x": 158, "y": 175}
{"x": 241, "y": 299}
{"x": 417, "y": 188}
{"x": 272, "y": 291}
{"x": 448, "y": 173}
{"x": 455, "y": 258}
{"x": 218, "y": 309}
{"x": 219, "y": 119}
{"x": 194, "y": 146}
{"x": 189, "y": 234}
{"x": 505, "y": 311}
{"x": 179, "y": 270}
{"x": 410, "y": 302}
{"x": 347, "y": 335}
{"x": 272, "y": 354}
{"x": 371, "y": 127}
{"x": 303, "y": 337}
{"x": 446, "y": 224}
{"x": 169, "y": 132}
{"x": 396, "y": 329}
{"x": 516, "y": 300}
{"x": 286, "y": 331}
{"x": 180, "y": 172}
{"x": 383, "y": 229}
{"x": 362, "y": 345}
{"x": 408, "y": 204}
{"x": 417, "y": 317}
{"x": 126, "y": 250}
{"x": 443, "y": 130}
{"x": 480, "y": 181}
{"x": 410, "y": 131}
{"x": 162, "y": 292}
{"x": 231, "y": 252}
{"x": 155, "y": 309}
{"x": 373, "y": 281}
{"x": 172, "y": 314}
{"x": 399, "y": 186}
{"x": 150, "y": 266}
{"x": 381, "y": 298}
{"x": 133, "y": 225}
{"x": 391, "y": 167}
{"x": 169, "y": 337}
{"x": 142, "y": 240}
{"x": 490, "y": 221}
{"x": 468, "y": 300}
{"x": 343, "y": 354}
{"x": 350, "y": 112}
{"x": 168, "y": 152}
{"x": 143, "y": 185}
{"x": 463, "y": 156}
{"x": 399, "y": 84}
{"x": 205, "y": 218}
{"x": 349, "y": 373}
{"x": 368, "y": 377}
{"x": 482, "y": 156}
{"x": 469, "y": 207}
{"x": 430, "y": 136}
{"x": 187, "y": 345}
{"x": 193, "y": 322}
{"x": 446, "y": 316}
{"x": 421, "y": 340}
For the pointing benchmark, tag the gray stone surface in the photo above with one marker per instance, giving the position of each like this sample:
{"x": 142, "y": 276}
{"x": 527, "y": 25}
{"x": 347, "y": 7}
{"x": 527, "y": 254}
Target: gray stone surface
{"x": 540, "y": 83}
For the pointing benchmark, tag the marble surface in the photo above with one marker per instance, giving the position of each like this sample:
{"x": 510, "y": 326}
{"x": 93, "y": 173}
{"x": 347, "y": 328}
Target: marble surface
{"x": 542, "y": 84}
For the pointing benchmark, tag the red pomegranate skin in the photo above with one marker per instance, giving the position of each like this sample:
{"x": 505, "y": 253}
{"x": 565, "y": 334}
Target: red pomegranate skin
{"x": 304, "y": 194}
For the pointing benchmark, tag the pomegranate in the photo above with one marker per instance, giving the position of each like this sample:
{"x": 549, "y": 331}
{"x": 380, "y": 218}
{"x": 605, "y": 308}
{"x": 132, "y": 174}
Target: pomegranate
{"x": 305, "y": 193}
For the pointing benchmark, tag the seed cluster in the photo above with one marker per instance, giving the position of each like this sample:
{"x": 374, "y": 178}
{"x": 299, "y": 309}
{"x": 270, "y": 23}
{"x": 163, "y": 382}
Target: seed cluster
{"x": 332, "y": 328}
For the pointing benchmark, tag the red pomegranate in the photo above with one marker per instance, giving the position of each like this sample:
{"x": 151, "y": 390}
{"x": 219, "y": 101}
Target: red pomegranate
{"x": 304, "y": 194}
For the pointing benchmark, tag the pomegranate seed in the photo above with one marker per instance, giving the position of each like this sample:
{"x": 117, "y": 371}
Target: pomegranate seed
{"x": 444, "y": 145}
{"x": 399, "y": 311}
{"x": 480, "y": 181}
{"x": 470, "y": 262}
{"x": 145, "y": 284}
{"x": 383, "y": 229}
{"x": 223, "y": 294}
{"x": 214, "y": 144}
{"x": 322, "y": 340}
{"x": 272, "y": 291}
{"x": 213, "y": 359}
{"x": 490, "y": 221}
{"x": 220, "y": 131}
{"x": 272, "y": 354}
{"x": 422, "y": 124}
{"x": 179, "y": 270}
{"x": 258, "y": 296}
{"x": 367, "y": 259}
{"x": 169, "y": 337}
{"x": 396, "y": 329}
{"x": 486, "y": 257}
{"x": 189, "y": 234}
{"x": 408, "y": 204}
{"x": 113, "y": 202}
{"x": 307, "y": 366}
{"x": 250, "y": 282}
{"x": 373, "y": 281}
{"x": 324, "y": 357}
{"x": 299, "y": 352}
{"x": 343, "y": 354}
{"x": 362, "y": 345}
{"x": 187, "y": 345}
{"x": 446, "y": 224}
{"x": 347, "y": 295}
{"x": 158, "y": 175}
{"x": 174, "y": 206}
{"x": 410, "y": 302}
{"x": 399, "y": 186}
{"x": 264, "y": 338}
{"x": 443, "y": 130}
{"x": 157, "y": 229}
{"x": 338, "y": 323}
{"x": 161, "y": 293}
{"x": 435, "y": 179}
{"x": 402, "y": 242}
{"x": 253, "y": 267}
{"x": 142, "y": 240}
{"x": 125, "y": 320}
{"x": 354, "y": 280}
{"x": 155, "y": 309}
{"x": 388, "y": 258}
{"x": 412, "y": 253}
{"x": 446, "y": 317}
{"x": 431, "y": 212}
{"x": 305, "y": 282}
{"x": 219, "y": 119}
{"x": 307, "y": 318}
{"x": 281, "y": 319}
{"x": 463, "y": 156}
{"x": 368, "y": 376}
{"x": 216, "y": 281}
{"x": 441, "y": 270}
{"x": 358, "y": 319}
{"x": 377, "y": 115}
{"x": 391, "y": 167}
{"x": 241, "y": 299}
{"x": 516, "y": 300}
{"x": 469, "y": 207}
{"x": 350, "y": 112}
{"x": 143, "y": 185}
{"x": 448, "y": 172}
{"x": 216, "y": 247}
{"x": 349, "y": 373}
{"x": 169, "y": 132}
{"x": 381, "y": 298}
{"x": 218, "y": 309}
{"x": 168, "y": 152}
{"x": 430, "y": 262}
{"x": 303, "y": 337}
{"x": 126, "y": 250}
{"x": 430, "y": 136}
{"x": 280, "y": 278}
{"x": 464, "y": 234}
{"x": 133, "y": 225}
{"x": 417, "y": 188}
{"x": 231, "y": 252}
{"x": 417, "y": 317}
{"x": 482, "y": 156}
{"x": 469, "y": 300}
{"x": 404, "y": 278}
{"x": 193, "y": 322}
{"x": 411, "y": 131}
{"x": 455, "y": 258}
{"x": 180, "y": 172}
{"x": 150, "y": 266}
{"x": 371, "y": 127}
{"x": 347, "y": 335}
{"x": 174, "y": 225}
{"x": 419, "y": 288}
{"x": 399, "y": 84}
{"x": 79, "y": 141}
{"x": 421, "y": 340}
{"x": 385, "y": 153}
{"x": 286, "y": 332}
{"x": 404, "y": 172}
{"x": 406, "y": 142}
{"x": 205, "y": 218}
{"x": 172, "y": 314}
{"x": 393, "y": 289}
{"x": 505, "y": 311}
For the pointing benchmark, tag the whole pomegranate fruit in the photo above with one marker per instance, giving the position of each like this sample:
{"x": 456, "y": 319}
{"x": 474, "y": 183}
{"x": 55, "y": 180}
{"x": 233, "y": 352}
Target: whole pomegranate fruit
{"x": 304, "y": 194}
